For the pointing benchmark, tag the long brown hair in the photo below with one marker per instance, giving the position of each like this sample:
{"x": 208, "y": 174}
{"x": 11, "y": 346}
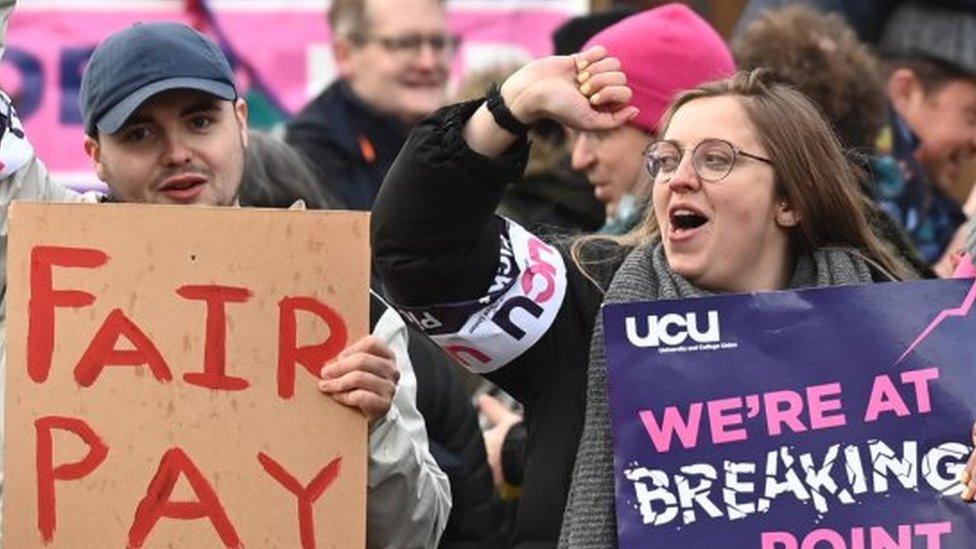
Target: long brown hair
{"x": 812, "y": 173}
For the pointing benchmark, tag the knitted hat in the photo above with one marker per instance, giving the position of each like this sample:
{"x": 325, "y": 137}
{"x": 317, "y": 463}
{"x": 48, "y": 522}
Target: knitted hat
{"x": 569, "y": 37}
{"x": 664, "y": 51}
{"x": 946, "y": 35}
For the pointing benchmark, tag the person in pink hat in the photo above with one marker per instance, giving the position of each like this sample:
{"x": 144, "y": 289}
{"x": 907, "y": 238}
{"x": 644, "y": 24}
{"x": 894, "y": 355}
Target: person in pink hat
{"x": 662, "y": 52}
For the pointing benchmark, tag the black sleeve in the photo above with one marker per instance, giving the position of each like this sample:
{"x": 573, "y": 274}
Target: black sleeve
{"x": 513, "y": 454}
{"x": 434, "y": 237}
{"x": 456, "y": 443}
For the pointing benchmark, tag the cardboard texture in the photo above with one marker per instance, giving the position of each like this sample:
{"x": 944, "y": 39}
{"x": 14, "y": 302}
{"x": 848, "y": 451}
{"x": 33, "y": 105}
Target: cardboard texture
{"x": 98, "y": 436}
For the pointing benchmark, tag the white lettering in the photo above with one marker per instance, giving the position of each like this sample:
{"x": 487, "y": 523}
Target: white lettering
{"x": 673, "y": 329}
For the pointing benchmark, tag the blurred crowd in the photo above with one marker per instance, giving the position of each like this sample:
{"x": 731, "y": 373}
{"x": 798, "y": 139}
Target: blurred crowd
{"x": 850, "y": 126}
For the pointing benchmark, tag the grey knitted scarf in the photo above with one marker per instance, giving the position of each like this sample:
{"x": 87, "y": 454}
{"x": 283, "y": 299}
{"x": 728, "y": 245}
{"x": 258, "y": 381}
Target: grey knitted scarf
{"x": 590, "y": 520}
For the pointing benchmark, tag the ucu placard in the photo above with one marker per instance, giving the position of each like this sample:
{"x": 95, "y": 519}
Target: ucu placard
{"x": 821, "y": 418}
{"x": 673, "y": 329}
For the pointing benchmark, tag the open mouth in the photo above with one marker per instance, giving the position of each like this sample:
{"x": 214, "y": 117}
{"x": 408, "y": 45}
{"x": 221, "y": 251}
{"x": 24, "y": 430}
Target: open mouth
{"x": 686, "y": 220}
{"x": 184, "y": 187}
{"x": 684, "y": 223}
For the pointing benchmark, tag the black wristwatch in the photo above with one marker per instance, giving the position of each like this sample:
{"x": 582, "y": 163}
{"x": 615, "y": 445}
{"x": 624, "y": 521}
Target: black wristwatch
{"x": 502, "y": 115}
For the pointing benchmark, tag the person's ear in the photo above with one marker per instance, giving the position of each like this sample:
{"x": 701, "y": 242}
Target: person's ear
{"x": 786, "y": 216}
{"x": 94, "y": 151}
{"x": 904, "y": 90}
{"x": 342, "y": 49}
{"x": 240, "y": 112}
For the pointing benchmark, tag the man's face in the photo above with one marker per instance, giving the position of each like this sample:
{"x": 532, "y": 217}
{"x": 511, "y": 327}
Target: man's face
{"x": 612, "y": 160}
{"x": 179, "y": 147}
{"x": 945, "y": 123}
{"x": 388, "y": 69}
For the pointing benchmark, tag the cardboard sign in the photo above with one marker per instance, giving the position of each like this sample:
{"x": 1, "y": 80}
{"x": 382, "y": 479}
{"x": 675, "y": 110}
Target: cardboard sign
{"x": 814, "y": 419}
{"x": 161, "y": 377}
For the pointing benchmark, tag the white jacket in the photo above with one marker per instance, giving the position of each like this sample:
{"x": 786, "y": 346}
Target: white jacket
{"x": 409, "y": 497}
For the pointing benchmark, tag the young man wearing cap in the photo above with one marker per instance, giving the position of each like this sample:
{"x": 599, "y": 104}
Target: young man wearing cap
{"x": 165, "y": 125}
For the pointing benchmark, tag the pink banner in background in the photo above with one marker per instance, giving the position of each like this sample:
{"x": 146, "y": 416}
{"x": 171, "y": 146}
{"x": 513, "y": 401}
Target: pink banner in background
{"x": 289, "y": 51}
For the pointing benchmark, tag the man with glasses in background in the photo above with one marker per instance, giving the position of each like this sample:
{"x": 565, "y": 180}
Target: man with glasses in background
{"x": 393, "y": 59}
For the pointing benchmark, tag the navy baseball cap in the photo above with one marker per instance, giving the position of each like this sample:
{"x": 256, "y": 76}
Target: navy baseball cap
{"x": 133, "y": 65}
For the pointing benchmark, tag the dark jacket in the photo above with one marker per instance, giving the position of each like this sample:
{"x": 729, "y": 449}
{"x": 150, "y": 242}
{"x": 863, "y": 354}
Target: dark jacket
{"x": 348, "y": 144}
{"x": 455, "y": 442}
{"x": 551, "y": 202}
{"x": 437, "y": 241}
{"x": 903, "y": 190}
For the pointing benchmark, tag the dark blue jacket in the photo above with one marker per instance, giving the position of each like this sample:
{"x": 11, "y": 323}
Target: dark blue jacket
{"x": 347, "y": 143}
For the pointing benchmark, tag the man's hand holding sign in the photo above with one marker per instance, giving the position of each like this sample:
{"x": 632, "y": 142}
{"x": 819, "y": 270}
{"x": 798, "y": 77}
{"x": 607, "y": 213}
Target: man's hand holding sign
{"x": 364, "y": 376}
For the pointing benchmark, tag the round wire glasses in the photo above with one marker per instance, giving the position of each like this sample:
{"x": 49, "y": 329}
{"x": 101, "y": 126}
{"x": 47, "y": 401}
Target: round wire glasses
{"x": 712, "y": 159}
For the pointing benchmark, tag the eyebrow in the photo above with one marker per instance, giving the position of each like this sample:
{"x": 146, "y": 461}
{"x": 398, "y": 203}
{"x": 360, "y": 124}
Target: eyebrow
{"x": 204, "y": 105}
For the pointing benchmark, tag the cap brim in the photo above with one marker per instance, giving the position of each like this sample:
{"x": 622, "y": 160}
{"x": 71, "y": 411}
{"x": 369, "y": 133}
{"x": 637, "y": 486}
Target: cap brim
{"x": 112, "y": 121}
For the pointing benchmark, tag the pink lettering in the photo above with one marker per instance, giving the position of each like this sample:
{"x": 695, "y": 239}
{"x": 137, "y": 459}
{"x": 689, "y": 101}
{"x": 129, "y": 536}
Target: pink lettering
{"x": 820, "y": 404}
{"x": 881, "y": 540}
{"x": 884, "y": 399}
{"x": 776, "y": 416}
{"x": 932, "y": 532}
{"x": 720, "y": 421}
{"x": 778, "y": 540}
{"x": 825, "y": 535}
{"x": 673, "y": 423}
{"x": 920, "y": 379}
{"x": 540, "y": 267}
{"x": 861, "y": 537}
{"x": 459, "y": 351}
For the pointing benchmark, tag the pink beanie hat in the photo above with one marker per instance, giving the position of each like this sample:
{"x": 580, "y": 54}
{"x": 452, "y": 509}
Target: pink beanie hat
{"x": 665, "y": 51}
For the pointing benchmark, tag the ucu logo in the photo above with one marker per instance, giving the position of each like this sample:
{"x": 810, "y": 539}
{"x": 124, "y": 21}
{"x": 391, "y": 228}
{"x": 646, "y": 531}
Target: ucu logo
{"x": 673, "y": 329}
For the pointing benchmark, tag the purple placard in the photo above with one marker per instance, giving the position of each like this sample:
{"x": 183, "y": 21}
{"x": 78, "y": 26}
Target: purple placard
{"x": 812, "y": 419}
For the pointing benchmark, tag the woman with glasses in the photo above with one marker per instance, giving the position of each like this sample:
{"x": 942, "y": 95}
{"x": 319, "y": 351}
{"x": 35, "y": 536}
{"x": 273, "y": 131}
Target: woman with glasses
{"x": 750, "y": 193}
